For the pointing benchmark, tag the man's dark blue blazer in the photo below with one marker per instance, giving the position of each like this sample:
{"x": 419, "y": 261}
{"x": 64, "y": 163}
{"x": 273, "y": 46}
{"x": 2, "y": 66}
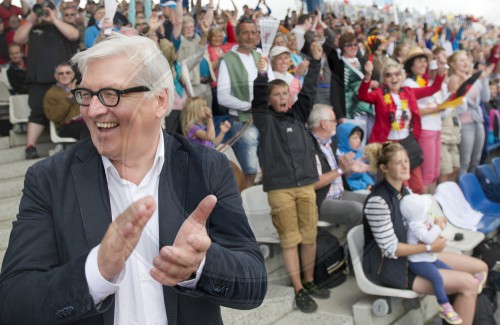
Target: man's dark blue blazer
{"x": 65, "y": 212}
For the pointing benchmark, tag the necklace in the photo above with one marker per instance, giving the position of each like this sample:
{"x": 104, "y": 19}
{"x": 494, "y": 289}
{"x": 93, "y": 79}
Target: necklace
{"x": 391, "y": 105}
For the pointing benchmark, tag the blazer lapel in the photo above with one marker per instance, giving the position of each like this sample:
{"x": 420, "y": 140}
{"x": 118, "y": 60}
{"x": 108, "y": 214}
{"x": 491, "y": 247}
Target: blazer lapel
{"x": 171, "y": 202}
{"x": 93, "y": 198}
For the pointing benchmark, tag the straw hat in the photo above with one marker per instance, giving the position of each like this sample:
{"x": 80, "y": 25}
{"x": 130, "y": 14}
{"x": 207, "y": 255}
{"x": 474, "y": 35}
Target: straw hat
{"x": 416, "y": 52}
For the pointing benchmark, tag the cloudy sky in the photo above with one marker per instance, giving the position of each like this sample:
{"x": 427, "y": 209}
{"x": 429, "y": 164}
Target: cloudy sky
{"x": 489, "y": 9}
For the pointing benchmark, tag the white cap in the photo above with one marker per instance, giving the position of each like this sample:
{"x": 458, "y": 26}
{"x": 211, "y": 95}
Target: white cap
{"x": 433, "y": 65}
{"x": 415, "y": 207}
{"x": 171, "y": 4}
{"x": 277, "y": 50}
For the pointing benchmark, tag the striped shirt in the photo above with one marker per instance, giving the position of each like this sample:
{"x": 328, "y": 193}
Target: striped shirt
{"x": 378, "y": 215}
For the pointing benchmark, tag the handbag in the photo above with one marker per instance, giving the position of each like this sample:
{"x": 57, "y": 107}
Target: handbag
{"x": 413, "y": 150}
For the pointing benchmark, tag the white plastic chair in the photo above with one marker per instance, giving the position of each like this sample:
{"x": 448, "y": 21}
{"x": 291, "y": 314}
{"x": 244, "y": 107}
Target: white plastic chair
{"x": 258, "y": 213}
{"x": 56, "y": 138}
{"x": 4, "y": 94}
{"x": 356, "y": 240}
{"x": 19, "y": 110}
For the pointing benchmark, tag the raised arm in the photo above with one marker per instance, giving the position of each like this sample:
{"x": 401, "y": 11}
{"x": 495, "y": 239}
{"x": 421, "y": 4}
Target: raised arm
{"x": 69, "y": 31}
{"x": 363, "y": 94}
{"x": 21, "y": 36}
{"x": 177, "y": 21}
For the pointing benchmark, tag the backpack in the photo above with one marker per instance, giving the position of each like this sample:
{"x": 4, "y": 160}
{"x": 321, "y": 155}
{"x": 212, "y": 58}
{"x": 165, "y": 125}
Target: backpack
{"x": 484, "y": 311}
{"x": 330, "y": 269}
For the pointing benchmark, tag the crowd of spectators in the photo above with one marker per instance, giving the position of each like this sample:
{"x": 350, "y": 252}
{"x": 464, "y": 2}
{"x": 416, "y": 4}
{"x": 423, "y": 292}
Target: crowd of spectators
{"x": 391, "y": 92}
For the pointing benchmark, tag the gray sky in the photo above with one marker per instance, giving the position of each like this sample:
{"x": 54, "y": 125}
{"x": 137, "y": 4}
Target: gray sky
{"x": 489, "y": 9}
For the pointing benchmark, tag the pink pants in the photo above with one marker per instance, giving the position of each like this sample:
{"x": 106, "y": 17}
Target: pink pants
{"x": 430, "y": 142}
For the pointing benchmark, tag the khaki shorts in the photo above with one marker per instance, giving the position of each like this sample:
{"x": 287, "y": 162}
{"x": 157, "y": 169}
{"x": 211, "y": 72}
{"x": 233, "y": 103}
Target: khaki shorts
{"x": 450, "y": 158}
{"x": 295, "y": 215}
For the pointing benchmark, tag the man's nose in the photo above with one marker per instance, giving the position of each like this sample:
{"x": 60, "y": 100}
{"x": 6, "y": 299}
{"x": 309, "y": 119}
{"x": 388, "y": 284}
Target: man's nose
{"x": 96, "y": 107}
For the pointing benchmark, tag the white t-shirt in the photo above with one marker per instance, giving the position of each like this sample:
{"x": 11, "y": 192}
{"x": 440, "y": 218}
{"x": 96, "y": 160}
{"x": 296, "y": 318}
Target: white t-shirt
{"x": 430, "y": 122}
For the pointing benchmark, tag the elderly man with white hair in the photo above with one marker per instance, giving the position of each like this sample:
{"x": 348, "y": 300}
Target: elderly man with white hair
{"x": 132, "y": 226}
{"x": 335, "y": 204}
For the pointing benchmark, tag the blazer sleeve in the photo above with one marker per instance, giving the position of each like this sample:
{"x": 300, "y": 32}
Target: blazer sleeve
{"x": 35, "y": 286}
{"x": 234, "y": 274}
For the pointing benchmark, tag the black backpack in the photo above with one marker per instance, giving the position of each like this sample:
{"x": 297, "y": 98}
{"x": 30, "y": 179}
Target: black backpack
{"x": 330, "y": 269}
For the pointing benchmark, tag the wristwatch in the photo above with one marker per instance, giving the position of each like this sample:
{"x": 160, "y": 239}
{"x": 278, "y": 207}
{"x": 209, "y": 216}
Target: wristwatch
{"x": 428, "y": 248}
{"x": 340, "y": 171}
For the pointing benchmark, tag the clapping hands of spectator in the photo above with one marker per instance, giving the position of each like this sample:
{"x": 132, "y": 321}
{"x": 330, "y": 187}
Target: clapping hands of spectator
{"x": 301, "y": 68}
{"x": 350, "y": 165}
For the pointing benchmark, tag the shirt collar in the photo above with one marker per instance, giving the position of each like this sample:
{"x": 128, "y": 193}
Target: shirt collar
{"x": 326, "y": 142}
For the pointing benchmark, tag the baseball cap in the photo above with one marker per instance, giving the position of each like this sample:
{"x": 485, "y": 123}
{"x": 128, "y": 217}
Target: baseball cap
{"x": 171, "y": 4}
{"x": 277, "y": 50}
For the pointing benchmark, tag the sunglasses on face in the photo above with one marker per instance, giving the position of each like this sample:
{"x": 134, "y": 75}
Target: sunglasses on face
{"x": 62, "y": 73}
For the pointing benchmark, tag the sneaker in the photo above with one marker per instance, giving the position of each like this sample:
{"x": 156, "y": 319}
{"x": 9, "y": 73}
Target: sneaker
{"x": 315, "y": 291}
{"x": 304, "y": 302}
{"x": 449, "y": 315}
{"x": 481, "y": 279}
{"x": 31, "y": 153}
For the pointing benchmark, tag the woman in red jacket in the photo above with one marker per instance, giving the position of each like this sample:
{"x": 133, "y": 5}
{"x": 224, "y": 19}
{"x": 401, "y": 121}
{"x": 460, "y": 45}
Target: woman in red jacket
{"x": 397, "y": 116}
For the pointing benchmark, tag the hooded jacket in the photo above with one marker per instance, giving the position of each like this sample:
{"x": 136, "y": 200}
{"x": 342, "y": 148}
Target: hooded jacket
{"x": 356, "y": 181}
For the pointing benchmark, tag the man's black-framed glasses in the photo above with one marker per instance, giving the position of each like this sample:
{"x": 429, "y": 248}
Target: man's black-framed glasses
{"x": 109, "y": 97}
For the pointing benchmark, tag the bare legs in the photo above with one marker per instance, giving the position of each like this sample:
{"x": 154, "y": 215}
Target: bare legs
{"x": 292, "y": 264}
{"x": 34, "y": 132}
{"x": 459, "y": 281}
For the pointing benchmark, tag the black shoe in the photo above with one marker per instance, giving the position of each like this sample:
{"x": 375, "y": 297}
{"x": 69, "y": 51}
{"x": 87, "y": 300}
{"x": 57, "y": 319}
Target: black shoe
{"x": 315, "y": 291}
{"x": 304, "y": 302}
{"x": 31, "y": 153}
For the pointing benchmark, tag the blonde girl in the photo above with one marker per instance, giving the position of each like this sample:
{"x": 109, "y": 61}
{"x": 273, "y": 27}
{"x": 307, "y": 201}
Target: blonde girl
{"x": 198, "y": 125}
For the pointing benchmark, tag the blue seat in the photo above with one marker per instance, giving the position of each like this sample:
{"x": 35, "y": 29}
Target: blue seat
{"x": 475, "y": 195}
{"x": 496, "y": 166}
{"x": 488, "y": 224}
{"x": 486, "y": 171}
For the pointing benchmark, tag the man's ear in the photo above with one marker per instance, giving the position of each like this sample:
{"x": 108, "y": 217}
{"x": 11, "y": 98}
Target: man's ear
{"x": 162, "y": 107}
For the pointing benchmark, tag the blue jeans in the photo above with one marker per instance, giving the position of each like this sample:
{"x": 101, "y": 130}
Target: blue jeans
{"x": 245, "y": 148}
{"x": 430, "y": 272}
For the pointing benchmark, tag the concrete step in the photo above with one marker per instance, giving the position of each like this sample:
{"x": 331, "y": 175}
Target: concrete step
{"x": 11, "y": 187}
{"x": 15, "y": 169}
{"x": 9, "y": 208}
{"x": 4, "y": 143}
{"x": 17, "y": 153}
{"x": 276, "y": 305}
{"x": 19, "y": 139}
